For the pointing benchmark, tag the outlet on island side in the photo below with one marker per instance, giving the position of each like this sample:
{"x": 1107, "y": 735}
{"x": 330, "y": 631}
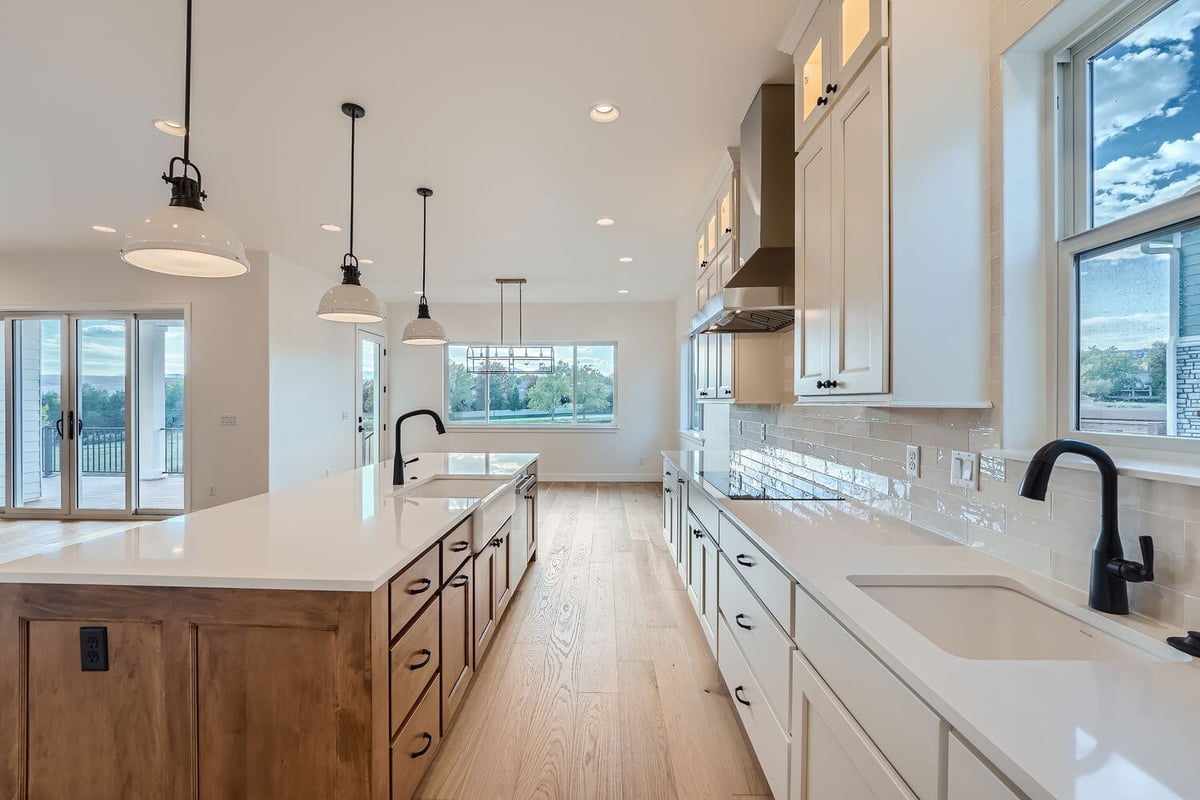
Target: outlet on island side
{"x": 93, "y": 649}
{"x": 912, "y": 461}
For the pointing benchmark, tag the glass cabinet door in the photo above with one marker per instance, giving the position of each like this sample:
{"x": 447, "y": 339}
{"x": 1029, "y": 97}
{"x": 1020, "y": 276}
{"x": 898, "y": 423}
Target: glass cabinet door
{"x": 812, "y": 65}
{"x": 859, "y": 27}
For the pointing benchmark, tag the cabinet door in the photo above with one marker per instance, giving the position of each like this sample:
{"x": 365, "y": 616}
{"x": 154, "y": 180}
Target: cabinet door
{"x": 695, "y": 576}
{"x": 813, "y": 264}
{"x": 832, "y": 757}
{"x": 857, "y": 28}
{"x": 701, "y": 250}
{"x": 483, "y": 602}
{"x": 861, "y": 244}
{"x": 711, "y": 233}
{"x": 668, "y": 504}
{"x": 812, "y": 61}
{"x": 727, "y": 213}
{"x": 725, "y": 267}
{"x": 714, "y": 365}
{"x": 725, "y": 366}
{"x": 969, "y": 778}
{"x": 708, "y": 598}
{"x": 456, "y": 643}
{"x": 700, "y": 350}
{"x": 503, "y": 586}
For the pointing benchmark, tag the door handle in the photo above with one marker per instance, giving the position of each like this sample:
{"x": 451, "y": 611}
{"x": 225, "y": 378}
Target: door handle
{"x": 738, "y": 693}
{"x": 744, "y": 560}
{"x": 428, "y": 744}
{"x": 424, "y": 651}
{"x": 58, "y": 426}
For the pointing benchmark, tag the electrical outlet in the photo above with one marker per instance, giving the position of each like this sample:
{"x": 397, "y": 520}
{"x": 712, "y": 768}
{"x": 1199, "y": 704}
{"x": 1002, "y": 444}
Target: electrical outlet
{"x": 762, "y": 431}
{"x": 345, "y": 416}
{"x": 641, "y": 462}
{"x": 212, "y": 491}
{"x": 93, "y": 649}
{"x": 964, "y": 469}
{"x": 912, "y": 461}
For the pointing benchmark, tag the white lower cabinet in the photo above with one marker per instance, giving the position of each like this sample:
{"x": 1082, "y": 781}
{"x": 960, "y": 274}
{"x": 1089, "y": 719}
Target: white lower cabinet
{"x": 766, "y": 647}
{"x": 969, "y": 778}
{"x": 702, "y": 582}
{"x": 832, "y": 757}
{"x": 770, "y": 742}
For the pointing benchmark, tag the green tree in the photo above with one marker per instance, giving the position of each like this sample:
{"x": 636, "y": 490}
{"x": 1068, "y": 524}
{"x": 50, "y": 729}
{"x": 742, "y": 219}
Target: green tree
{"x": 51, "y": 408}
{"x": 1156, "y": 365}
{"x": 1104, "y": 374}
{"x": 174, "y": 403}
{"x": 594, "y": 391}
{"x": 462, "y": 389}
{"x": 551, "y": 393}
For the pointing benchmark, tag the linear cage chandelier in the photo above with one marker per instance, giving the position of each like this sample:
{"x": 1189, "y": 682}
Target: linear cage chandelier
{"x": 511, "y": 359}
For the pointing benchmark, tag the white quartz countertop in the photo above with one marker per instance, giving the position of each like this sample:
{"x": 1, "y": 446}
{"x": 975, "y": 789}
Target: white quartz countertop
{"x": 1069, "y": 730}
{"x": 346, "y": 532}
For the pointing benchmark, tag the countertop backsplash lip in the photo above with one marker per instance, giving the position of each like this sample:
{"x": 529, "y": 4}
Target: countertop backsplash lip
{"x": 860, "y": 453}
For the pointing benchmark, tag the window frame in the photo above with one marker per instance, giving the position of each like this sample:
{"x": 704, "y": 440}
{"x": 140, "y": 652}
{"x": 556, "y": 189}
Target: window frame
{"x": 1076, "y": 234}
{"x": 573, "y": 425}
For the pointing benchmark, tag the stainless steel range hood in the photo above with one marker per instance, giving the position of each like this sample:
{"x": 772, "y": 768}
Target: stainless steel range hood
{"x": 760, "y": 297}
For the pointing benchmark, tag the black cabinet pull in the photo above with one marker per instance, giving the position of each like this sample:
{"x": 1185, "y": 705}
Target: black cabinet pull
{"x": 704, "y": 394}
{"x": 668, "y": 473}
{"x": 738, "y": 619}
{"x": 428, "y": 657}
{"x": 429, "y": 744}
{"x": 822, "y": 100}
{"x": 667, "y": 489}
{"x": 427, "y": 583}
{"x": 738, "y": 694}
{"x": 698, "y": 534}
{"x": 729, "y": 230}
{"x": 458, "y": 547}
{"x": 830, "y": 88}
{"x": 499, "y": 542}
{"x": 460, "y": 581}
{"x": 744, "y": 560}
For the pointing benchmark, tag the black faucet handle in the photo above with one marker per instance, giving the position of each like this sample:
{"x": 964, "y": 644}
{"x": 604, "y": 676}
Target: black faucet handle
{"x": 1132, "y": 571}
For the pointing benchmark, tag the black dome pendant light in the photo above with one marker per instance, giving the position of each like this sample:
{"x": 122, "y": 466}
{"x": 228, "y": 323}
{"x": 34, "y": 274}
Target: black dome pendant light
{"x": 350, "y": 301}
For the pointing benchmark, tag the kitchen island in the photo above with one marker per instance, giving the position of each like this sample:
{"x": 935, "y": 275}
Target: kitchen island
{"x": 309, "y": 642}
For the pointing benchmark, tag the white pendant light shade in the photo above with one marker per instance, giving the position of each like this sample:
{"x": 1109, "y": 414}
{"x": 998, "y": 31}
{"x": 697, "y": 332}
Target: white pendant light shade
{"x": 348, "y": 302}
{"x": 424, "y": 329}
{"x": 177, "y": 240}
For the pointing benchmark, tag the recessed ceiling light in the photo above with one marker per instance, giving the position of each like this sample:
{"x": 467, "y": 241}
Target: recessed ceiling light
{"x": 104, "y": 229}
{"x": 365, "y": 261}
{"x": 622, "y": 291}
{"x": 604, "y": 112}
{"x": 604, "y": 222}
{"x": 170, "y": 127}
{"x": 626, "y": 259}
{"x": 417, "y": 291}
{"x": 329, "y": 226}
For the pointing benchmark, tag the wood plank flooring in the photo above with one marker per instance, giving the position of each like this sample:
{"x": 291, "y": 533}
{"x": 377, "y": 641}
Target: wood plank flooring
{"x": 26, "y": 537}
{"x": 599, "y": 683}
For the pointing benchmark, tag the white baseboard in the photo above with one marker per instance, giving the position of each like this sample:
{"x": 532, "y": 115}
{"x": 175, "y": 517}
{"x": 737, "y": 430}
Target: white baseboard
{"x": 600, "y": 477}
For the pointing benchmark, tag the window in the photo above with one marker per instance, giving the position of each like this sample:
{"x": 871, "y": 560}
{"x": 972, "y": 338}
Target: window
{"x": 695, "y": 420}
{"x": 580, "y": 392}
{"x": 1130, "y": 259}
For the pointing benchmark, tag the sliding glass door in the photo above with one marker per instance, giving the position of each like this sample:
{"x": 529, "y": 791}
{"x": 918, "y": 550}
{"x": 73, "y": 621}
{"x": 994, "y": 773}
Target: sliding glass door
{"x": 93, "y": 412}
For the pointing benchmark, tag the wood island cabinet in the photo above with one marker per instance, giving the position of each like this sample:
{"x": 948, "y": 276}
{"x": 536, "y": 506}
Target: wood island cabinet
{"x": 245, "y": 693}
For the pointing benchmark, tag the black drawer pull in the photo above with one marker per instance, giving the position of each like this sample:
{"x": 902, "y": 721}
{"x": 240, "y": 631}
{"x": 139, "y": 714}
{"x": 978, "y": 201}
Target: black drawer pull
{"x": 428, "y": 657}
{"x": 427, "y": 583}
{"x": 744, "y": 560}
{"x": 697, "y": 534}
{"x": 738, "y": 694}
{"x": 458, "y": 547}
{"x": 429, "y": 744}
{"x": 738, "y": 619}
{"x": 460, "y": 581}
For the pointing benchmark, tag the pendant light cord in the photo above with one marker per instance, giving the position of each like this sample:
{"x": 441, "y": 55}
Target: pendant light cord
{"x": 353, "y": 120}
{"x": 187, "y": 89}
{"x": 424, "y": 239}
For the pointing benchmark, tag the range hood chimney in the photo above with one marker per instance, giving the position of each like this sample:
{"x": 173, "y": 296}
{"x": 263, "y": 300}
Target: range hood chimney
{"x": 760, "y": 297}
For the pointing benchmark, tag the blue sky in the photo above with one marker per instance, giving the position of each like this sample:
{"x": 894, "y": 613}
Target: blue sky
{"x": 103, "y": 348}
{"x": 1146, "y": 151}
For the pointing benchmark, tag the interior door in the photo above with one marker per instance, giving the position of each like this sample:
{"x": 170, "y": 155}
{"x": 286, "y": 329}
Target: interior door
{"x": 36, "y": 418}
{"x": 861, "y": 245}
{"x": 372, "y": 417}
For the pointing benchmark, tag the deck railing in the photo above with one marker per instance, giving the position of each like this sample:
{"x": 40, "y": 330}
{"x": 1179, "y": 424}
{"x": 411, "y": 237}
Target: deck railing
{"x": 102, "y": 451}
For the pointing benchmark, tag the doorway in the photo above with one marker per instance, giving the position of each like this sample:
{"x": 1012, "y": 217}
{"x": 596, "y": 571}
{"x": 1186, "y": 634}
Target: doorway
{"x": 372, "y": 396}
{"x": 93, "y": 409}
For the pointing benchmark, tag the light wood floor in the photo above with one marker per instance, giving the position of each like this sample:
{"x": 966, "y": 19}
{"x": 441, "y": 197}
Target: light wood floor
{"x": 26, "y": 537}
{"x": 599, "y": 683}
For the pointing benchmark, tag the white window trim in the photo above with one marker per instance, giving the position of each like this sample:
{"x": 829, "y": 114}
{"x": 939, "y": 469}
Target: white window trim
{"x": 1070, "y": 144}
{"x": 572, "y": 427}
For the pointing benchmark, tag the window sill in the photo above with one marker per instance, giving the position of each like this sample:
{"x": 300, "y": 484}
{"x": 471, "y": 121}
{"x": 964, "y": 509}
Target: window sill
{"x": 1132, "y": 464}
{"x": 532, "y": 428}
{"x": 692, "y": 436}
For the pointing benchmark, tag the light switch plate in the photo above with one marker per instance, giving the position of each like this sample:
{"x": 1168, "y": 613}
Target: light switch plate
{"x": 964, "y": 469}
{"x": 912, "y": 461}
{"x": 229, "y": 419}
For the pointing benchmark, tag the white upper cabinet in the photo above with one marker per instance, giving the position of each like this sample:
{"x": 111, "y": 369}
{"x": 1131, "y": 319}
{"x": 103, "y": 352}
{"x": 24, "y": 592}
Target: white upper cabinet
{"x": 812, "y": 72}
{"x": 813, "y": 264}
{"x": 858, "y": 28}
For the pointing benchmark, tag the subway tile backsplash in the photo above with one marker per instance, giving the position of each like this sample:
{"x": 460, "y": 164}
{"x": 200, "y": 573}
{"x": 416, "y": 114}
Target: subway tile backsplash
{"x": 859, "y": 452}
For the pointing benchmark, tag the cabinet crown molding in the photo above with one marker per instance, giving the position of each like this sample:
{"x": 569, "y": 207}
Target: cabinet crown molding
{"x": 797, "y": 25}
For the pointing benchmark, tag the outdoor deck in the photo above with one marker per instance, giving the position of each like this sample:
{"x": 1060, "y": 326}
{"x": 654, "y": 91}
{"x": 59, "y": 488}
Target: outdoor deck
{"x": 108, "y": 492}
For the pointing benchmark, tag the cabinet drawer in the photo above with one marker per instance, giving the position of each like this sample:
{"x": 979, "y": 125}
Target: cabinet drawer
{"x": 771, "y": 744}
{"x": 416, "y": 745}
{"x": 906, "y": 730}
{"x": 772, "y": 586}
{"x": 414, "y": 660}
{"x": 704, "y": 509}
{"x": 766, "y": 648}
{"x": 969, "y": 778}
{"x": 413, "y": 587}
{"x": 456, "y": 547}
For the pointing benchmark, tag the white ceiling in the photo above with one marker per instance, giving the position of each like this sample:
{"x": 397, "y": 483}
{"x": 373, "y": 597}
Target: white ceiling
{"x": 485, "y": 102}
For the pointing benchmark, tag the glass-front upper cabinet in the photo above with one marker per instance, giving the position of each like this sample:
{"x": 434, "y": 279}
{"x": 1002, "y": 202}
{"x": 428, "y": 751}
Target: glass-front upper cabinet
{"x": 726, "y": 220}
{"x": 710, "y": 227}
{"x": 859, "y": 26}
{"x": 701, "y": 252}
{"x": 812, "y": 65}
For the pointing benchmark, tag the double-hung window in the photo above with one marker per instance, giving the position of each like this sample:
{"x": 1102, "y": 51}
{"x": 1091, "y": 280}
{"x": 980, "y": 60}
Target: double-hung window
{"x": 1129, "y": 245}
{"x": 581, "y": 392}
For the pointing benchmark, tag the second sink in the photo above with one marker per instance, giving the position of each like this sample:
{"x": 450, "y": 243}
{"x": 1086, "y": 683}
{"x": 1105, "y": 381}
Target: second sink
{"x": 992, "y": 617}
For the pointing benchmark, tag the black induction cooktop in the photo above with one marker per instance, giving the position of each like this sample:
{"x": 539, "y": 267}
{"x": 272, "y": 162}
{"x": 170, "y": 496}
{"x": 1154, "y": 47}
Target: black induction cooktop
{"x": 739, "y": 485}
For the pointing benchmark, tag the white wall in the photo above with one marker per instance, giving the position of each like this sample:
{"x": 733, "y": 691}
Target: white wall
{"x": 313, "y": 378}
{"x": 647, "y": 385}
{"x": 227, "y": 351}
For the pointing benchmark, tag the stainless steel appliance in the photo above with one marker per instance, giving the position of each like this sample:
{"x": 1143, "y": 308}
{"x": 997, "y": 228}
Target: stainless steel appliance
{"x": 525, "y": 517}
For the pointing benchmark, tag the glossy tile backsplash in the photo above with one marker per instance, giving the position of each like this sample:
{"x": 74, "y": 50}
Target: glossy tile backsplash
{"x": 860, "y": 451}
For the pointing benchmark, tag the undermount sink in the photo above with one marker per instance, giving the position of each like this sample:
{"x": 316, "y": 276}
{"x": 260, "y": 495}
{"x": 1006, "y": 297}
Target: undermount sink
{"x": 453, "y": 487}
{"x": 990, "y": 617}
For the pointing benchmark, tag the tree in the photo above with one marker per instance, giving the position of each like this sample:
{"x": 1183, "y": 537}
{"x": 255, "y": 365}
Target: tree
{"x": 594, "y": 391}
{"x": 462, "y": 389}
{"x": 51, "y": 408}
{"x": 550, "y": 393}
{"x": 1108, "y": 373}
{"x": 1156, "y": 365}
{"x": 174, "y": 403}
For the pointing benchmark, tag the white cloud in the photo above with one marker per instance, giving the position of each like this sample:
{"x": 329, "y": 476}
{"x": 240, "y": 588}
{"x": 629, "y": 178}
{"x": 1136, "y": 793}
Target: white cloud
{"x": 1129, "y": 184}
{"x": 1130, "y": 89}
{"x": 1173, "y": 24}
{"x": 1127, "y": 332}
